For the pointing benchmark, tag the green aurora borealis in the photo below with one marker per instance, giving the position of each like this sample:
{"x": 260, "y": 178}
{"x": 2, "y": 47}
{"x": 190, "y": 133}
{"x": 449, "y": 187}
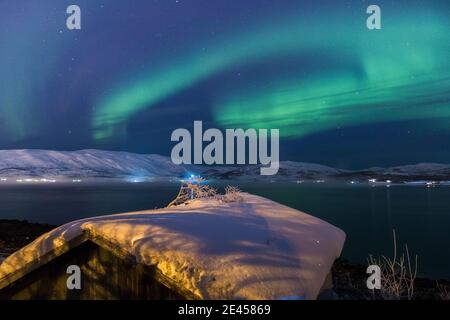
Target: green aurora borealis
{"x": 398, "y": 73}
{"x": 134, "y": 73}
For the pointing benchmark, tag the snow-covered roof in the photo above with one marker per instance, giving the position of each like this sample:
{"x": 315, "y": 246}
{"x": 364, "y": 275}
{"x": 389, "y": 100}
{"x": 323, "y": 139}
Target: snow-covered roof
{"x": 253, "y": 249}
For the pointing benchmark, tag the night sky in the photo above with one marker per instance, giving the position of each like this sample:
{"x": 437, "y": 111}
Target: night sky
{"x": 341, "y": 94}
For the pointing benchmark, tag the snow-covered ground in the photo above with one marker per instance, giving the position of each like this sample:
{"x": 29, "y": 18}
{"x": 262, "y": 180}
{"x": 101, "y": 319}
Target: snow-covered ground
{"x": 252, "y": 249}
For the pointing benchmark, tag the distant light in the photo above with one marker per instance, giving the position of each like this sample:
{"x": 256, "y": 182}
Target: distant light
{"x": 372, "y": 180}
{"x": 137, "y": 179}
{"x": 193, "y": 179}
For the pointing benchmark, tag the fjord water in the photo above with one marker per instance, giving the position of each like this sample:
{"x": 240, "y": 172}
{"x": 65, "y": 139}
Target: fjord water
{"x": 420, "y": 215}
{"x": 368, "y": 215}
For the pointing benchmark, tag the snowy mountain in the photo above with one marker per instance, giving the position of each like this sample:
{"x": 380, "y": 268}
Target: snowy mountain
{"x": 293, "y": 171}
{"x": 113, "y": 164}
{"x": 288, "y": 170}
{"x": 421, "y": 171}
{"x": 435, "y": 169}
{"x": 84, "y": 163}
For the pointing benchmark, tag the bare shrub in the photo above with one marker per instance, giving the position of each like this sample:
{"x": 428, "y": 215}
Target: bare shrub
{"x": 232, "y": 194}
{"x": 398, "y": 274}
{"x": 443, "y": 291}
{"x": 204, "y": 191}
{"x": 198, "y": 190}
{"x": 191, "y": 191}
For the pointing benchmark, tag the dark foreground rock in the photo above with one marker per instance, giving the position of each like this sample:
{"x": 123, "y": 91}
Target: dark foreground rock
{"x": 15, "y": 234}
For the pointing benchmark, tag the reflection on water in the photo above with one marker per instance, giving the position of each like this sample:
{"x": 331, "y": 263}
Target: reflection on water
{"x": 420, "y": 216}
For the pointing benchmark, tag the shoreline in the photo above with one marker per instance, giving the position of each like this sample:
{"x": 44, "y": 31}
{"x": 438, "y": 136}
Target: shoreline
{"x": 349, "y": 278}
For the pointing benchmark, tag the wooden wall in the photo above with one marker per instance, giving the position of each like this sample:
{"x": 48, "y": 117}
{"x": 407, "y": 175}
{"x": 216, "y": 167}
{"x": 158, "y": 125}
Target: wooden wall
{"x": 104, "y": 276}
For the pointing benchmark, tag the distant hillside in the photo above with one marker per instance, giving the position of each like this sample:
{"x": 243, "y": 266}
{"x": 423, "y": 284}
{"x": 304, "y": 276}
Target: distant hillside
{"x": 309, "y": 171}
{"x": 113, "y": 164}
{"x": 84, "y": 163}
